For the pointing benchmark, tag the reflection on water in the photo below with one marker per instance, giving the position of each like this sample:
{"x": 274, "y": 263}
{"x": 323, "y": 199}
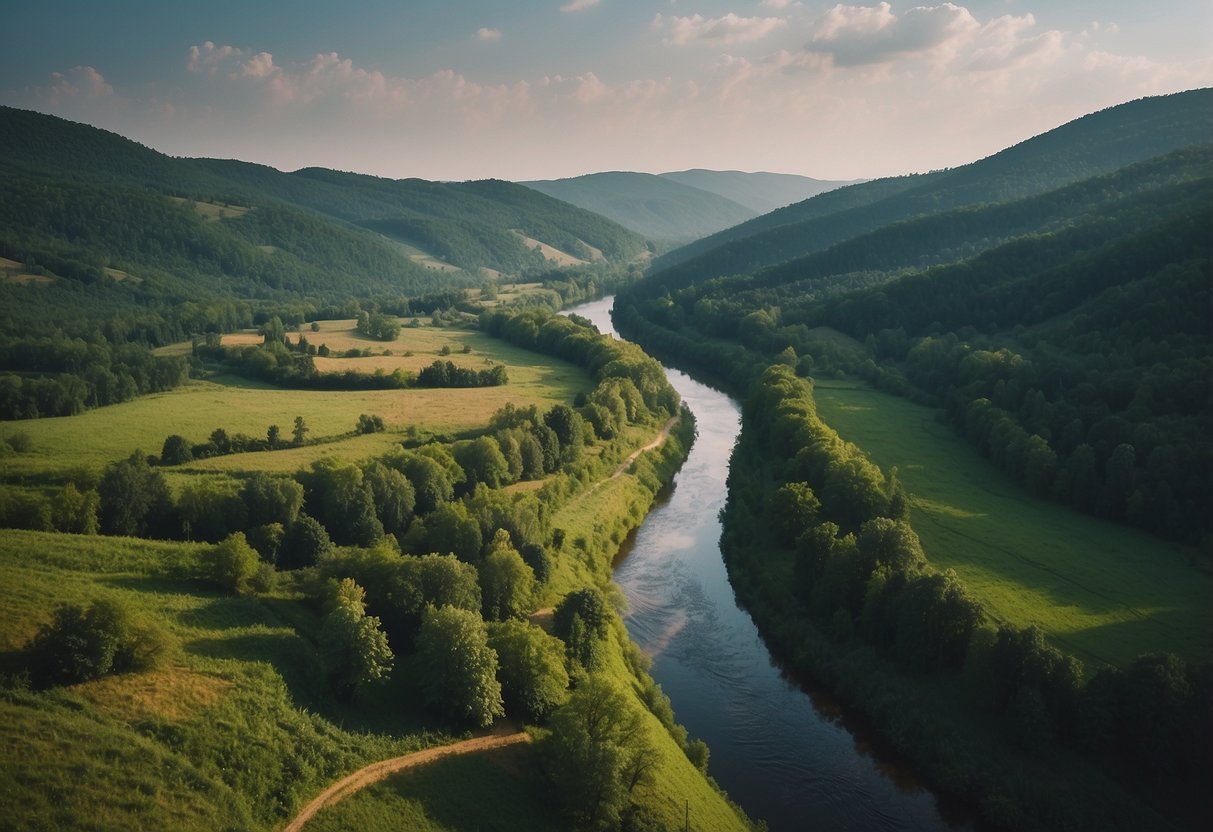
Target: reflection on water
{"x": 785, "y": 752}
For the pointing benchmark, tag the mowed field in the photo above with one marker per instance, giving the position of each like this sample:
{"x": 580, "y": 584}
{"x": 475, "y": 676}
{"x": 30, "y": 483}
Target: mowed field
{"x": 97, "y": 437}
{"x": 1105, "y": 593}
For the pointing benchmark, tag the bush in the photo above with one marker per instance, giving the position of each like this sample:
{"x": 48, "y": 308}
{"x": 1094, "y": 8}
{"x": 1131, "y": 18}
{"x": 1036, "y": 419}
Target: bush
{"x": 234, "y": 563}
{"x": 82, "y": 644}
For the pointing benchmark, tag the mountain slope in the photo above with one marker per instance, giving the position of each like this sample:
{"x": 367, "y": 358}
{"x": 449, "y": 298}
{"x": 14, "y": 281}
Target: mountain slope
{"x": 761, "y": 192}
{"x": 658, "y": 207}
{"x": 1091, "y": 145}
{"x": 500, "y": 216}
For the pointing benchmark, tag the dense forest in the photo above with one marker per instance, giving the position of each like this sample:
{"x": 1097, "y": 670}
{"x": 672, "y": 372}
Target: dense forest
{"x": 1052, "y": 304}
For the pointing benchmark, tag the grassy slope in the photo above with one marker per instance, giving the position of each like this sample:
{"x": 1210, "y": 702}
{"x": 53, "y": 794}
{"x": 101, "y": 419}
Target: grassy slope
{"x": 234, "y": 733}
{"x": 1103, "y": 592}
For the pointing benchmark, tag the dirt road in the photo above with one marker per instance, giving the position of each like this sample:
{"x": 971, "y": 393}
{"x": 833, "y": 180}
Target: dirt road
{"x": 375, "y": 772}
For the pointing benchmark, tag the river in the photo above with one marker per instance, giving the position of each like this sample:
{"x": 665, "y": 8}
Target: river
{"x": 786, "y": 754}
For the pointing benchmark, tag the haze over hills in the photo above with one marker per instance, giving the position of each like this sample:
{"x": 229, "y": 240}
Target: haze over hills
{"x": 1088, "y": 146}
{"x": 681, "y": 206}
{"x": 759, "y": 191}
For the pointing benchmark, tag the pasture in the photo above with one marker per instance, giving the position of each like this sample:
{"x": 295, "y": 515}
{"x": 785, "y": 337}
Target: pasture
{"x": 1105, "y": 593}
{"x": 59, "y": 446}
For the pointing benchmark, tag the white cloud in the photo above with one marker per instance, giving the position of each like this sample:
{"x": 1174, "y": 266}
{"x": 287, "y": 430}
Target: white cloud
{"x": 486, "y": 34}
{"x": 79, "y": 82}
{"x": 578, "y": 5}
{"x": 208, "y": 57}
{"x": 776, "y": 4}
{"x": 715, "y": 31}
{"x": 859, "y": 35}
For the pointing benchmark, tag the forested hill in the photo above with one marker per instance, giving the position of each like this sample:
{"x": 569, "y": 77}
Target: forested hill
{"x": 1067, "y": 333}
{"x": 656, "y": 206}
{"x": 494, "y": 225}
{"x": 1091, "y": 145}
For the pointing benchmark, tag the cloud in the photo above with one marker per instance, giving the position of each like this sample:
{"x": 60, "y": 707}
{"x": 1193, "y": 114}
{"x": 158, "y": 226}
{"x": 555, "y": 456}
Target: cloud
{"x": 486, "y": 34}
{"x": 208, "y": 57}
{"x": 79, "y": 82}
{"x": 715, "y": 31}
{"x": 578, "y": 5}
{"x": 859, "y": 35}
{"x": 776, "y": 4}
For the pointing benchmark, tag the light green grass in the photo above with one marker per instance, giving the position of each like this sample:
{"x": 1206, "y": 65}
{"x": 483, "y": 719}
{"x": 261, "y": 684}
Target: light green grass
{"x": 237, "y": 405}
{"x": 1104, "y": 592}
{"x": 234, "y": 731}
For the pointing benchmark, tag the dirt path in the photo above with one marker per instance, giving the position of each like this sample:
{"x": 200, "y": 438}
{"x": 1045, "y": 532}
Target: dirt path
{"x": 375, "y": 772}
{"x": 632, "y": 457}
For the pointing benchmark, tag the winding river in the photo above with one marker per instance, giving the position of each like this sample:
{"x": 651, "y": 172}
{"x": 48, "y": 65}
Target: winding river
{"x": 786, "y": 753}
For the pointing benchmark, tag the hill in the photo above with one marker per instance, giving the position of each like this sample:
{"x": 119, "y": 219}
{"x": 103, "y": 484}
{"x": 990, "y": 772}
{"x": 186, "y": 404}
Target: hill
{"x": 656, "y": 206}
{"x": 471, "y": 225}
{"x": 759, "y": 191}
{"x": 1098, "y": 143}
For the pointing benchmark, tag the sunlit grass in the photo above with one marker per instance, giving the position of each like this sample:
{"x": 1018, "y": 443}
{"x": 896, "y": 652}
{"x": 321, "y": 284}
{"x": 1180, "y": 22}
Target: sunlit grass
{"x": 1105, "y": 592}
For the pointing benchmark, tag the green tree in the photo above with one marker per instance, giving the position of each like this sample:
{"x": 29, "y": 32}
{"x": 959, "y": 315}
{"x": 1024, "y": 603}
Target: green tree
{"x": 305, "y": 543}
{"x": 300, "y": 431}
{"x": 74, "y": 511}
{"x": 233, "y": 563}
{"x": 507, "y": 584}
{"x": 531, "y": 669}
{"x": 582, "y": 621}
{"x": 458, "y": 669}
{"x": 598, "y": 752}
{"x": 482, "y": 462}
{"x": 176, "y": 451}
{"x": 135, "y": 499}
{"x": 353, "y": 648}
{"x": 81, "y": 644}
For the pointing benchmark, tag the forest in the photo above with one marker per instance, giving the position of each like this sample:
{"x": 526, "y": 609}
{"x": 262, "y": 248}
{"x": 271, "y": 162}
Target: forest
{"x": 1059, "y": 322}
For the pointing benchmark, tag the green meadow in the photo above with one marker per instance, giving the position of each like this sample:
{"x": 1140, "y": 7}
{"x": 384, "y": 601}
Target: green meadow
{"x": 1104, "y": 592}
{"x": 62, "y": 445}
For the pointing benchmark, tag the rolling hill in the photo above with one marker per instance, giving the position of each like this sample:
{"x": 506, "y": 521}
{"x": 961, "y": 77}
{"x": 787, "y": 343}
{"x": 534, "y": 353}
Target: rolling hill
{"x": 760, "y": 191}
{"x": 658, "y": 207}
{"x": 47, "y": 163}
{"x": 1092, "y": 145}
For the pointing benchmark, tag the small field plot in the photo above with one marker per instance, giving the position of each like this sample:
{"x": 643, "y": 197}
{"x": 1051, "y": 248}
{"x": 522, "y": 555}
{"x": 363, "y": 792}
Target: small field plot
{"x": 1104, "y": 592}
{"x": 241, "y": 406}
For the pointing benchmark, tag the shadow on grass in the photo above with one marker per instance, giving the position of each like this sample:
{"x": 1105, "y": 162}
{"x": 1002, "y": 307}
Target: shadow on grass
{"x": 289, "y": 655}
{"x": 511, "y": 792}
{"x": 161, "y": 585}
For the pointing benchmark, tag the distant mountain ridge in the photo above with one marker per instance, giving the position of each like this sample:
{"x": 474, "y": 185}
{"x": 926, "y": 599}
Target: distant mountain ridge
{"x": 466, "y": 226}
{"x": 1089, "y": 146}
{"x": 681, "y": 206}
{"x": 759, "y": 191}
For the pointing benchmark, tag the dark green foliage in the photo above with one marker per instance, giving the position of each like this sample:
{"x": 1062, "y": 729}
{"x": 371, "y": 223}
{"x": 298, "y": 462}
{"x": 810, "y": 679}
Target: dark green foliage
{"x": 370, "y": 424}
{"x": 82, "y": 644}
{"x": 458, "y": 669}
{"x": 378, "y": 326}
{"x": 597, "y": 753}
{"x": 233, "y": 563}
{"x": 353, "y": 649}
{"x": 447, "y": 374}
{"x": 531, "y": 669}
{"x": 306, "y": 541}
{"x": 538, "y": 558}
{"x": 507, "y": 584}
{"x": 582, "y": 620}
{"x": 482, "y": 462}
{"x": 270, "y": 499}
{"x": 135, "y": 500}
{"x": 176, "y": 451}
{"x": 393, "y": 496}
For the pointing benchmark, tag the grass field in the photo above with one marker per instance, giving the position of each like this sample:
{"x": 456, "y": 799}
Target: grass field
{"x": 1104, "y": 592}
{"x": 238, "y": 405}
{"x": 234, "y": 731}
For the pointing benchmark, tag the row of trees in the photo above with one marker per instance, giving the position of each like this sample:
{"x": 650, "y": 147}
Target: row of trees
{"x": 860, "y": 573}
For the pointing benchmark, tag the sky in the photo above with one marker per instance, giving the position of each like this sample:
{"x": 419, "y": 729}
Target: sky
{"x": 540, "y": 89}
